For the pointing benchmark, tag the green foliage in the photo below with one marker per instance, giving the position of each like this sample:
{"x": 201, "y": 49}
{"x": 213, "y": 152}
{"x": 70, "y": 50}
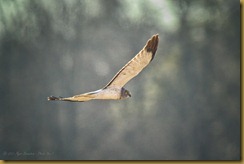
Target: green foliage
{"x": 185, "y": 105}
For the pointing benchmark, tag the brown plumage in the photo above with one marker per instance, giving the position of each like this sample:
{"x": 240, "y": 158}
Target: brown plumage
{"x": 114, "y": 89}
{"x": 136, "y": 64}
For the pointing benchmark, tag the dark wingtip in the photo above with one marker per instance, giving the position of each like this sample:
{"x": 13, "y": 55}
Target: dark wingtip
{"x": 152, "y": 45}
{"x": 51, "y": 98}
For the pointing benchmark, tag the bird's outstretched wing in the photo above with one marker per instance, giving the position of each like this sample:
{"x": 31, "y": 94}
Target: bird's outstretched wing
{"x": 136, "y": 64}
{"x": 77, "y": 98}
{"x": 130, "y": 70}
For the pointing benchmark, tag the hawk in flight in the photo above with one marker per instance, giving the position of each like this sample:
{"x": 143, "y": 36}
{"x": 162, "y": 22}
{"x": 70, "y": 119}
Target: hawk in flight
{"x": 114, "y": 89}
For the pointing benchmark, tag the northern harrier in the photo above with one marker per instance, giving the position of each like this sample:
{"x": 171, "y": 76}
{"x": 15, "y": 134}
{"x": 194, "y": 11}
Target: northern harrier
{"x": 114, "y": 89}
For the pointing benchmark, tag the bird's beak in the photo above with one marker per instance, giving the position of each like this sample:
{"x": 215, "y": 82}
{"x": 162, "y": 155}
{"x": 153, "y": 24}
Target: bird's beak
{"x": 129, "y": 94}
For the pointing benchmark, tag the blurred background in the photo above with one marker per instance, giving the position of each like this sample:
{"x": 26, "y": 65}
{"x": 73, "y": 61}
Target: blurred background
{"x": 185, "y": 105}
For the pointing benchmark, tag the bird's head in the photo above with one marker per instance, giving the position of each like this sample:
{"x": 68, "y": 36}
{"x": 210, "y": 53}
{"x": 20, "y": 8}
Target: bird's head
{"x": 125, "y": 93}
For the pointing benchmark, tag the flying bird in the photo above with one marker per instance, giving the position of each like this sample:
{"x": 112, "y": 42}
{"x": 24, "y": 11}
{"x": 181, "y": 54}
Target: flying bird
{"x": 114, "y": 89}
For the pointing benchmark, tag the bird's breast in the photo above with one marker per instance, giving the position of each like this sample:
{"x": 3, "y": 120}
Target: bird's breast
{"x": 109, "y": 93}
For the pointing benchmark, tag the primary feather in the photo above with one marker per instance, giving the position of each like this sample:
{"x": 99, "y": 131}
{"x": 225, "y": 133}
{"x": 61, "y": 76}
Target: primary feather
{"x": 114, "y": 89}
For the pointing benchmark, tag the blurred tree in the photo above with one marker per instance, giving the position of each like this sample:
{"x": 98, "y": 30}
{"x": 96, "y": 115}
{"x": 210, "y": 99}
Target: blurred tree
{"x": 186, "y": 103}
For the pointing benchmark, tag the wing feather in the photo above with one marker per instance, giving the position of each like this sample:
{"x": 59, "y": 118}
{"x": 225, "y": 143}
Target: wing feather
{"x": 77, "y": 98}
{"x": 136, "y": 64}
